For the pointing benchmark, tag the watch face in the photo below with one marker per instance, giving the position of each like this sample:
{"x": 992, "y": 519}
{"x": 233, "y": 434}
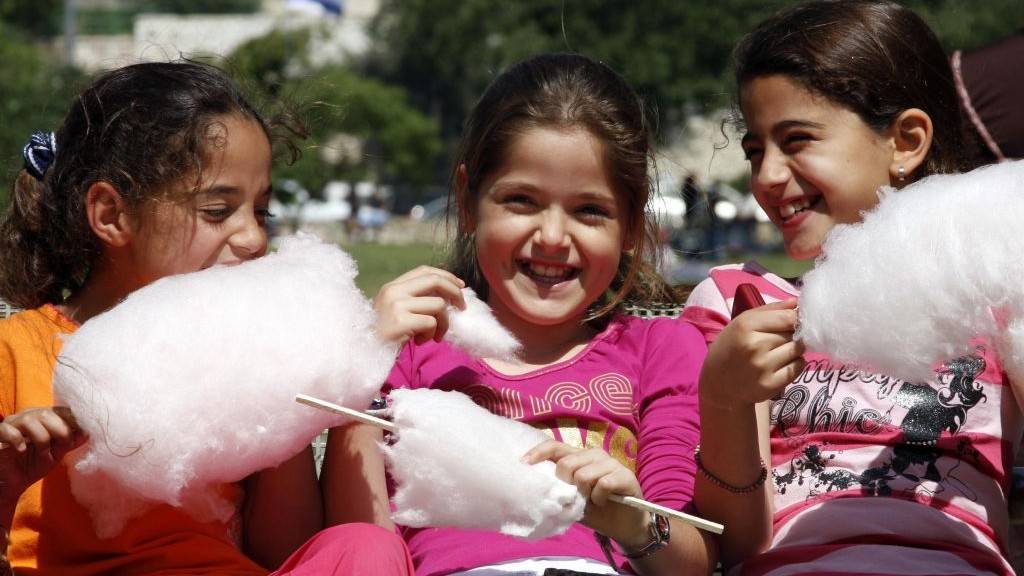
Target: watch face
{"x": 663, "y": 527}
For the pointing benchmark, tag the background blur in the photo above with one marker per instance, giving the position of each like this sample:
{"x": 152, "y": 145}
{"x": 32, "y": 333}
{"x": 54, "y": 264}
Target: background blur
{"x": 384, "y": 86}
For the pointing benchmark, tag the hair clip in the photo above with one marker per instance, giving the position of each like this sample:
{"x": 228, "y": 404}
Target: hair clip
{"x": 39, "y": 153}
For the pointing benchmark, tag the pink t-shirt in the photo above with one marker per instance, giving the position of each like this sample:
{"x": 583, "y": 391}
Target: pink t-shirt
{"x": 631, "y": 392}
{"x": 874, "y": 475}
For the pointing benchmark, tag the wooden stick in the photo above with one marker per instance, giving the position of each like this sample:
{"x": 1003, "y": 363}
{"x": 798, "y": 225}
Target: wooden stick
{"x": 357, "y": 415}
{"x": 659, "y": 509}
{"x": 625, "y": 500}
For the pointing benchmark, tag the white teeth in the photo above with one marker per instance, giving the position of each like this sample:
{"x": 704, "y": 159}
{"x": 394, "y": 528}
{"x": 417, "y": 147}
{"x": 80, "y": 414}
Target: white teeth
{"x": 550, "y": 272}
{"x": 798, "y": 205}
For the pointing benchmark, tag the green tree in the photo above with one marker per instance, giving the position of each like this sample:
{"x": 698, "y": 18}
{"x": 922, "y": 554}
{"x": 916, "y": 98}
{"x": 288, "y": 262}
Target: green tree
{"x": 35, "y": 92}
{"x": 677, "y": 54}
{"x": 35, "y": 18}
{"x": 199, "y": 6}
{"x": 359, "y": 128}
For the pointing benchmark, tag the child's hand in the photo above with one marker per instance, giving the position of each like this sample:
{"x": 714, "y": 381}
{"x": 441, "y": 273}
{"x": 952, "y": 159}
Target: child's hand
{"x": 754, "y": 357}
{"x": 32, "y": 442}
{"x": 415, "y": 304}
{"x": 597, "y": 476}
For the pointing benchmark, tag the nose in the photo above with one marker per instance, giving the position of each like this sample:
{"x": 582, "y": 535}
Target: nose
{"x": 249, "y": 240}
{"x": 771, "y": 172}
{"x": 552, "y": 230}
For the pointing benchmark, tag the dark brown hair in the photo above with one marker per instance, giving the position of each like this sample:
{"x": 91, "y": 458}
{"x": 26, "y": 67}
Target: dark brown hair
{"x": 563, "y": 91}
{"x": 142, "y": 128}
{"x": 876, "y": 58}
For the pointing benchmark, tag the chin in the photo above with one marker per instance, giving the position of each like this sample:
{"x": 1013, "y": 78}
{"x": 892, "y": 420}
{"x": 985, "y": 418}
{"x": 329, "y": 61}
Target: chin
{"x": 803, "y": 253}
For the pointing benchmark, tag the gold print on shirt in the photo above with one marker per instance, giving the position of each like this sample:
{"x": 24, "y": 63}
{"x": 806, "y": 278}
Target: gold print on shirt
{"x": 621, "y": 445}
{"x": 503, "y": 402}
{"x": 614, "y": 392}
{"x": 569, "y": 395}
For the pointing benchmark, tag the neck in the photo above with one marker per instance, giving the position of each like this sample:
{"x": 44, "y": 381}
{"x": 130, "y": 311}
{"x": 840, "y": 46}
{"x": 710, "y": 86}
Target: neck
{"x": 100, "y": 293}
{"x": 543, "y": 345}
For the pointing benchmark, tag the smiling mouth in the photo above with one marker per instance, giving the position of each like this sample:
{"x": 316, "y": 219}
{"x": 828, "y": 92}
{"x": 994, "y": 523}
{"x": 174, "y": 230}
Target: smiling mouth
{"x": 788, "y": 211}
{"x": 547, "y": 274}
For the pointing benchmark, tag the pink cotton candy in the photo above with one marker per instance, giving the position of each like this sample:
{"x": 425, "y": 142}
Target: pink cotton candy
{"x": 933, "y": 266}
{"x": 189, "y": 383}
{"x": 476, "y": 331}
{"x": 456, "y": 464}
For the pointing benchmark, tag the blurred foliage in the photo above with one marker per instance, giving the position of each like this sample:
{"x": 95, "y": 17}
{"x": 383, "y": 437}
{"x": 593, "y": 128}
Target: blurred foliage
{"x": 198, "y": 6}
{"x": 359, "y": 128}
{"x": 35, "y": 93}
{"x": 676, "y": 54}
{"x": 35, "y": 18}
{"x": 106, "y": 21}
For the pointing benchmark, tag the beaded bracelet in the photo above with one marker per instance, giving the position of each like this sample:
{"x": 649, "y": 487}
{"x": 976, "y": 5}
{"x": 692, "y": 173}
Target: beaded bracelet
{"x": 725, "y": 485}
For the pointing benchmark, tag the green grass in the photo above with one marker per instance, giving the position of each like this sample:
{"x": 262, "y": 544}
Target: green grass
{"x": 780, "y": 264}
{"x": 379, "y": 264}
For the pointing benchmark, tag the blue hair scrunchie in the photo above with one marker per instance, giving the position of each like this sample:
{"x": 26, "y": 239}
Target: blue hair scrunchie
{"x": 39, "y": 153}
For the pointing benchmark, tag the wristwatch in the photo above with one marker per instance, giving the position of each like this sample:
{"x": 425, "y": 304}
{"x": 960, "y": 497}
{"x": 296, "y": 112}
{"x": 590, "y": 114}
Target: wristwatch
{"x": 660, "y": 530}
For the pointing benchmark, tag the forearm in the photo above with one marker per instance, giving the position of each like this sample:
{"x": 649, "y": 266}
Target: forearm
{"x": 732, "y": 451}
{"x": 283, "y": 509}
{"x": 352, "y": 478}
{"x": 689, "y": 551}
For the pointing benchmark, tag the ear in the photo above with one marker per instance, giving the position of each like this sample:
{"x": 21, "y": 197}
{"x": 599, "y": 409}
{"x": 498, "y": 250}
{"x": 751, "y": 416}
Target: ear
{"x": 467, "y": 213}
{"x": 107, "y": 214}
{"x": 911, "y": 134}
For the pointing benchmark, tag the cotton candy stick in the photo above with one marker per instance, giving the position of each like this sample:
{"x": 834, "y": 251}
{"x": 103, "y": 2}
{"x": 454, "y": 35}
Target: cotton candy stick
{"x": 630, "y": 501}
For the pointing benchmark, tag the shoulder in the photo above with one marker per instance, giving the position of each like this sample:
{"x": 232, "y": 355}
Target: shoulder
{"x": 29, "y": 342}
{"x": 654, "y": 337}
{"x": 422, "y": 365}
{"x": 25, "y": 328}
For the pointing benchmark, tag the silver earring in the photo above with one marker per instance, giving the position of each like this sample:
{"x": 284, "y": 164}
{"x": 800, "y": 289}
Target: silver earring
{"x": 901, "y": 173}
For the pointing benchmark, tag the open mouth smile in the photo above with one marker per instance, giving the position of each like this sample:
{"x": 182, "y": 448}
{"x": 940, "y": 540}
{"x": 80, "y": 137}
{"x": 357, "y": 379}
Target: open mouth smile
{"x": 789, "y": 211}
{"x": 548, "y": 274}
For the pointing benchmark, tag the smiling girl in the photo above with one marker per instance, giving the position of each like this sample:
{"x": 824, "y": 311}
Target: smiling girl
{"x": 157, "y": 169}
{"x": 819, "y": 468}
{"x": 550, "y": 184}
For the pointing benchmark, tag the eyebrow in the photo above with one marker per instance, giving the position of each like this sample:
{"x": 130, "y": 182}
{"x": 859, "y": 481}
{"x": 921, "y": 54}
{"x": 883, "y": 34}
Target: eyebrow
{"x": 785, "y": 125}
{"x": 525, "y": 186}
{"x": 221, "y": 190}
{"x": 224, "y": 190}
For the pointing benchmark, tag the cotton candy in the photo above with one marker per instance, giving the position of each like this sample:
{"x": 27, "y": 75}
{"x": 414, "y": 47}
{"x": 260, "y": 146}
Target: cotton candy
{"x": 933, "y": 265}
{"x": 189, "y": 383}
{"x": 456, "y": 464}
{"x": 478, "y": 332}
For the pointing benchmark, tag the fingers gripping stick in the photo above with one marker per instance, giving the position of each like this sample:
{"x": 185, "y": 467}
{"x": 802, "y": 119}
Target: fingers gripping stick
{"x": 626, "y": 500}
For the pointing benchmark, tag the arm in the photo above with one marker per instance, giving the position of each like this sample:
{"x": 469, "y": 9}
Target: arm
{"x": 282, "y": 509}
{"x": 413, "y": 306}
{"x": 751, "y": 360}
{"x": 32, "y": 442}
{"x": 597, "y": 475}
{"x": 352, "y": 479}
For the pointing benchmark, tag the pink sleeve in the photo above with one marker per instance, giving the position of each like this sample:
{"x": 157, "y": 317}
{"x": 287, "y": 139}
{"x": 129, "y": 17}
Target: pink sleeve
{"x": 668, "y": 413}
{"x": 707, "y": 309}
{"x": 401, "y": 373}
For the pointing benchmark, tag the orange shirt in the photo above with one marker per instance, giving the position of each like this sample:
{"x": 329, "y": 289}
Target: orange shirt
{"x": 52, "y": 533}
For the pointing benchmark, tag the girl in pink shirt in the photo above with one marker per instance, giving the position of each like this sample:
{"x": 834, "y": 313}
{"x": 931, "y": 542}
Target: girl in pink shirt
{"x": 550, "y": 188}
{"x": 819, "y": 468}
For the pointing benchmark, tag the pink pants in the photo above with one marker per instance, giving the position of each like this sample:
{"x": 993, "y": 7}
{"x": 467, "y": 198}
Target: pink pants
{"x": 350, "y": 550}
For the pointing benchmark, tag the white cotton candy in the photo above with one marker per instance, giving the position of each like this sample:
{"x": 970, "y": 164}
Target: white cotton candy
{"x": 189, "y": 383}
{"x": 478, "y": 332}
{"x": 932, "y": 266}
{"x": 457, "y": 465}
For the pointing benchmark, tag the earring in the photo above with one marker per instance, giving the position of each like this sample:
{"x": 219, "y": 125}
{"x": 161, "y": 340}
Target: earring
{"x": 901, "y": 173}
